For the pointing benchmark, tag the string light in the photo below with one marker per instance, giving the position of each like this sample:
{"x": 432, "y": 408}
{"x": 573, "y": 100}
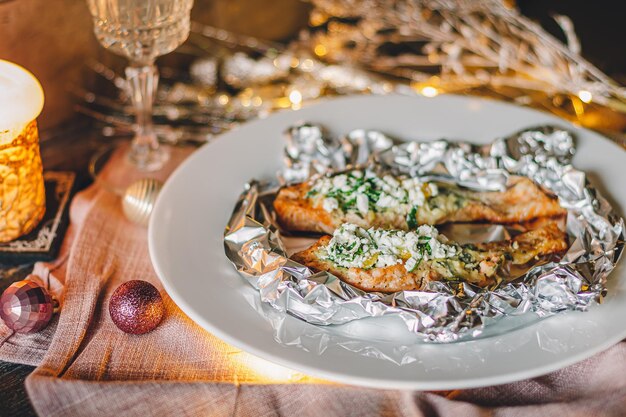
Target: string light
{"x": 429, "y": 91}
{"x": 222, "y": 99}
{"x": 307, "y": 65}
{"x": 552, "y": 67}
{"x": 295, "y": 97}
{"x": 317, "y": 18}
{"x": 585, "y": 96}
{"x": 320, "y": 50}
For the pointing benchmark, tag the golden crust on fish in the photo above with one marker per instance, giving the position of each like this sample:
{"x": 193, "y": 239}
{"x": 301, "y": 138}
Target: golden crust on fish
{"x": 478, "y": 264}
{"x": 297, "y": 213}
{"x": 523, "y": 201}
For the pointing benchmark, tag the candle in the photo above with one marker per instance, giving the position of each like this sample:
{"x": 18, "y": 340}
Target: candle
{"x": 22, "y": 192}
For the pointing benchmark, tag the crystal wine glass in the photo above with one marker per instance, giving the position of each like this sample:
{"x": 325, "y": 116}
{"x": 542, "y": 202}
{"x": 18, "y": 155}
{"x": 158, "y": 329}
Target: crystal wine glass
{"x": 142, "y": 30}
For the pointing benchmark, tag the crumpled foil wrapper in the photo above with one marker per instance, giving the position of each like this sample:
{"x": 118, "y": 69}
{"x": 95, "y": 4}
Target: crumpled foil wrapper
{"x": 445, "y": 312}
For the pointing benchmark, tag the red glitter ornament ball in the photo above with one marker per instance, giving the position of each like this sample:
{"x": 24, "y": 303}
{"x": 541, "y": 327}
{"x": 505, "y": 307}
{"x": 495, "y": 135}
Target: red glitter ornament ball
{"x": 26, "y": 307}
{"x": 136, "y": 307}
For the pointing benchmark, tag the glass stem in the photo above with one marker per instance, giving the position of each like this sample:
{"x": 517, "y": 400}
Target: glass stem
{"x": 142, "y": 85}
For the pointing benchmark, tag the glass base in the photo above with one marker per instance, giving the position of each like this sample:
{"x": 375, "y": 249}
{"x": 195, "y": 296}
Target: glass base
{"x": 147, "y": 159}
{"x": 116, "y": 176}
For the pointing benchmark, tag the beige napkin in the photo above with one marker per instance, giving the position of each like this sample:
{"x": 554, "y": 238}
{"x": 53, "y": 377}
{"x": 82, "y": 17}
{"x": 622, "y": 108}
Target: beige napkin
{"x": 87, "y": 367}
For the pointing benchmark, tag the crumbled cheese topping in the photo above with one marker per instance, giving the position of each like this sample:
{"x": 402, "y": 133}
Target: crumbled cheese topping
{"x": 364, "y": 191}
{"x": 354, "y": 246}
{"x": 330, "y": 204}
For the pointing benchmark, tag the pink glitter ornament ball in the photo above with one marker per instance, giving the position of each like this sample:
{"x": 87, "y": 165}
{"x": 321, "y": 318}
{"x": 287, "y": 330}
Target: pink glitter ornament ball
{"x": 136, "y": 307}
{"x": 26, "y": 307}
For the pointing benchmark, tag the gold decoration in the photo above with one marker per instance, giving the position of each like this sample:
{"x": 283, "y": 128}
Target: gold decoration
{"x": 139, "y": 200}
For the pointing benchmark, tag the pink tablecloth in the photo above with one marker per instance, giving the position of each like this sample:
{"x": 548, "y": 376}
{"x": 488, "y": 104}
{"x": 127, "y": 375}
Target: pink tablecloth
{"x": 87, "y": 367}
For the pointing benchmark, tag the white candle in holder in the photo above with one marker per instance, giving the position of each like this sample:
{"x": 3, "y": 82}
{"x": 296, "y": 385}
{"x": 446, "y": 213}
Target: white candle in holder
{"x": 22, "y": 192}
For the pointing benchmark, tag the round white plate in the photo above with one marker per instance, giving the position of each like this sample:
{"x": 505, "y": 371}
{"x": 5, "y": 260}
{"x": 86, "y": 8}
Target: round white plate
{"x": 186, "y": 229}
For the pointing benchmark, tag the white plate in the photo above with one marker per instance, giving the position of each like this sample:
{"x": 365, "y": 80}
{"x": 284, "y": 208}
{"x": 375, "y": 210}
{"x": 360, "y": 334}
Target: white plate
{"x": 186, "y": 228}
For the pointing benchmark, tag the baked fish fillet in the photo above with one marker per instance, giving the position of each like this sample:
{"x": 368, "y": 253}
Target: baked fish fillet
{"x": 368, "y": 200}
{"x": 389, "y": 261}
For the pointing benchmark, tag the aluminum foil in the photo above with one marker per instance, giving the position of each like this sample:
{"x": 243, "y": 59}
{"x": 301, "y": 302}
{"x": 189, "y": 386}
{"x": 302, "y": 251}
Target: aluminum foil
{"x": 444, "y": 312}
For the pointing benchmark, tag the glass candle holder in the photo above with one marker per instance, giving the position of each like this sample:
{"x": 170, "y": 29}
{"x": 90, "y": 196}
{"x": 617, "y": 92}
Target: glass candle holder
{"x": 22, "y": 191}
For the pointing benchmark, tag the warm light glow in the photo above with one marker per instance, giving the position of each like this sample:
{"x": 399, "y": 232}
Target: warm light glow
{"x": 270, "y": 371}
{"x": 585, "y": 96}
{"x": 266, "y": 372}
{"x": 579, "y": 108}
{"x": 317, "y": 18}
{"x": 257, "y": 101}
{"x": 245, "y": 97}
{"x": 21, "y": 99}
{"x": 320, "y": 50}
{"x": 282, "y": 103}
{"x": 22, "y": 192}
{"x": 222, "y": 99}
{"x": 334, "y": 27}
{"x": 295, "y": 97}
{"x": 429, "y": 91}
{"x": 307, "y": 65}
